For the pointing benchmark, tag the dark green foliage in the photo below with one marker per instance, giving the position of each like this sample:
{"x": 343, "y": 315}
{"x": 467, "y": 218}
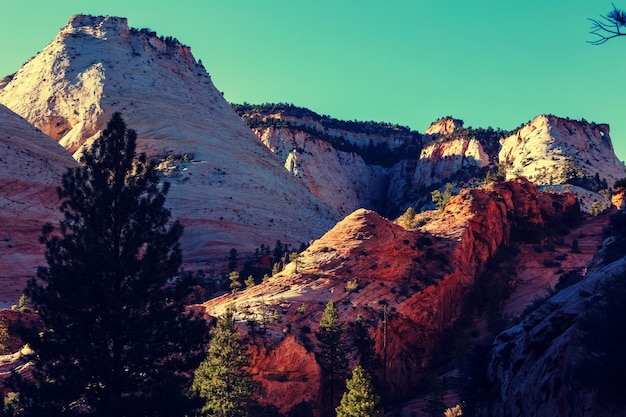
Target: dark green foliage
{"x": 302, "y": 409}
{"x": 285, "y": 109}
{"x": 620, "y": 185}
{"x": 576, "y": 176}
{"x": 602, "y": 367}
{"x": 442, "y": 199}
{"x": 617, "y": 230}
{"x": 408, "y": 217}
{"x": 364, "y": 345}
{"x": 222, "y": 380}
{"x": 476, "y": 386}
{"x": 235, "y": 283}
{"x": 332, "y": 355}
{"x": 359, "y": 400}
{"x": 279, "y": 251}
{"x": 4, "y": 337}
{"x": 232, "y": 260}
{"x": 568, "y": 279}
{"x": 118, "y": 339}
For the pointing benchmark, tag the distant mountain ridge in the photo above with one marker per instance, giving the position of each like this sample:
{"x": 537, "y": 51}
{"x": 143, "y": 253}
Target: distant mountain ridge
{"x": 548, "y": 150}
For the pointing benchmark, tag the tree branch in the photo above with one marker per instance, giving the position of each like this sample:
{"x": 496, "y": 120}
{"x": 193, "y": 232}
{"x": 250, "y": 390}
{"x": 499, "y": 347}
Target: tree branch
{"x": 608, "y": 27}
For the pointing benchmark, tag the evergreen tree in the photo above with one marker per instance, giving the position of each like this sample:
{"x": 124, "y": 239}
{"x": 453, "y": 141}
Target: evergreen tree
{"x": 409, "y": 216}
{"x": 278, "y": 251}
{"x": 249, "y": 282}
{"x": 332, "y": 355}
{"x": 222, "y": 380}
{"x": 358, "y": 400}
{"x": 235, "y": 284}
{"x": 364, "y": 345}
{"x": 117, "y": 340}
{"x": 293, "y": 257}
{"x": 233, "y": 261}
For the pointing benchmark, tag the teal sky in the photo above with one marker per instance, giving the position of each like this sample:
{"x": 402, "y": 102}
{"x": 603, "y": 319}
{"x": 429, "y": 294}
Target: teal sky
{"x": 490, "y": 63}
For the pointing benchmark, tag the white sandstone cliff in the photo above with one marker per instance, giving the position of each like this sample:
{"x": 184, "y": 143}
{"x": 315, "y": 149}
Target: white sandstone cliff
{"x": 227, "y": 188}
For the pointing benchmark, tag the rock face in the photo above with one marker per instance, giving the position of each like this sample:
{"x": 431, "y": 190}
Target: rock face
{"x": 551, "y": 150}
{"x": 228, "y": 190}
{"x": 365, "y": 262}
{"x": 340, "y": 179}
{"x": 533, "y": 362}
{"x": 337, "y": 160}
{"x": 31, "y": 167}
{"x": 443, "y": 127}
{"x": 438, "y": 162}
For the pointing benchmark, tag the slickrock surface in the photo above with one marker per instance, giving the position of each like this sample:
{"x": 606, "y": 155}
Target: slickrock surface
{"x": 31, "y": 166}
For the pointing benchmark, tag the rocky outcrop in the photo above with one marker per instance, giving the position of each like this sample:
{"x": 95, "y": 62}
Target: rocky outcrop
{"x": 533, "y": 363}
{"x": 228, "y": 190}
{"x": 442, "y": 127}
{"x": 551, "y": 150}
{"x": 367, "y": 264}
{"x": 439, "y": 161}
{"x": 31, "y": 167}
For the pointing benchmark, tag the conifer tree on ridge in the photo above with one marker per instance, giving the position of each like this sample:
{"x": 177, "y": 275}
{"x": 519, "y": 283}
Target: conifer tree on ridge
{"x": 118, "y": 339}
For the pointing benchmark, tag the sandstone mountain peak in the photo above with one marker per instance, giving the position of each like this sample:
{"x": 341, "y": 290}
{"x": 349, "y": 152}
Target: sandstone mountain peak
{"x": 98, "y": 26}
{"x": 227, "y": 188}
{"x": 444, "y": 126}
{"x": 552, "y": 150}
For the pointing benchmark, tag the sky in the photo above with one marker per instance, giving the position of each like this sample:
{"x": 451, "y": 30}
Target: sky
{"x": 489, "y": 63}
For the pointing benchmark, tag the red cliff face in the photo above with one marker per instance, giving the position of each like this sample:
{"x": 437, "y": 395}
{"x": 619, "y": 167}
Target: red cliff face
{"x": 422, "y": 276}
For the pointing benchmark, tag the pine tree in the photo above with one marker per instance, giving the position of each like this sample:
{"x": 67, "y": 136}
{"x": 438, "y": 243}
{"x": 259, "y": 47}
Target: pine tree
{"x": 235, "y": 284}
{"x": 222, "y": 380}
{"x": 118, "y": 339}
{"x": 332, "y": 355}
{"x": 233, "y": 260}
{"x": 358, "y": 400}
{"x": 249, "y": 282}
{"x": 409, "y": 216}
{"x": 364, "y": 345}
{"x": 293, "y": 257}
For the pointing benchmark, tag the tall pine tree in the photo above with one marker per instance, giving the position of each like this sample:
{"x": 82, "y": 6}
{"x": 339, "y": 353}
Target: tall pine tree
{"x": 359, "y": 399}
{"x": 222, "y": 380}
{"x": 118, "y": 339}
{"x": 332, "y": 355}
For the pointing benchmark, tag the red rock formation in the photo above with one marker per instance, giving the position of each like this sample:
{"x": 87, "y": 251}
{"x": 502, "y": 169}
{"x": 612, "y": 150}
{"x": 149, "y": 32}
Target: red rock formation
{"x": 421, "y": 276}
